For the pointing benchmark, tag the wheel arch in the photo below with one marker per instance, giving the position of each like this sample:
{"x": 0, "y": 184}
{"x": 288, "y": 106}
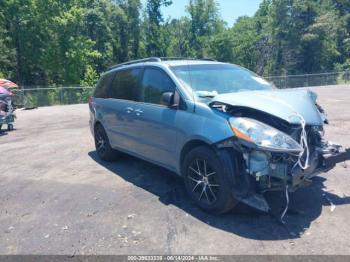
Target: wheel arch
{"x": 188, "y": 147}
{"x": 97, "y": 123}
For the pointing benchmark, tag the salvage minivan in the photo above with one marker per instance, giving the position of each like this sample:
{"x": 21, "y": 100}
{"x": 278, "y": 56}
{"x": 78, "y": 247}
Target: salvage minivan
{"x": 228, "y": 132}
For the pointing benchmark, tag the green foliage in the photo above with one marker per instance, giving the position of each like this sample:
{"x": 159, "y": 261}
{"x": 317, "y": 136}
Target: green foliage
{"x": 52, "y": 96}
{"x": 178, "y": 35}
{"x": 205, "y": 23}
{"x": 60, "y": 42}
{"x": 90, "y": 77}
{"x": 155, "y": 33}
{"x": 6, "y": 51}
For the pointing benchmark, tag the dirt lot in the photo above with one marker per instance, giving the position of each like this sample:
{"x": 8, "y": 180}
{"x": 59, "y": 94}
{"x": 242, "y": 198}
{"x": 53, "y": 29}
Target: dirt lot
{"x": 56, "y": 197}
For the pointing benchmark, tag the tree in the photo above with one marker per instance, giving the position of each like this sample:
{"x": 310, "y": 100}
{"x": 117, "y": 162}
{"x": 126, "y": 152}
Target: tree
{"x": 238, "y": 44}
{"x": 134, "y": 22}
{"x": 205, "y": 23}
{"x": 7, "y": 54}
{"x": 154, "y": 32}
{"x": 25, "y": 38}
{"x": 178, "y": 32}
{"x": 60, "y": 42}
{"x": 343, "y": 9}
{"x": 98, "y": 28}
{"x": 68, "y": 51}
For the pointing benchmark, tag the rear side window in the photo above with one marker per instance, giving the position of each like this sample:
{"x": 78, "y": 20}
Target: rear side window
{"x": 101, "y": 90}
{"x": 126, "y": 85}
{"x": 156, "y": 82}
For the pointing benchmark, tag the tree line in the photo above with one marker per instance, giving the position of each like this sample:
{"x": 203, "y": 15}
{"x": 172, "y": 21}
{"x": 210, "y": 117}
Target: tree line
{"x": 71, "y": 42}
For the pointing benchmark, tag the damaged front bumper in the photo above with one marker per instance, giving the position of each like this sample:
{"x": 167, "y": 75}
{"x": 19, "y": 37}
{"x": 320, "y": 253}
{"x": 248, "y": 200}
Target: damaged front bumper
{"x": 274, "y": 171}
{"x": 271, "y": 171}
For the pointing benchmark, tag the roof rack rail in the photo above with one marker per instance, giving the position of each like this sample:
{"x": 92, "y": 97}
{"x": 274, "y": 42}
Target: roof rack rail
{"x": 158, "y": 59}
{"x": 186, "y": 58}
{"x": 150, "y": 59}
{"x": 208, "y": 59}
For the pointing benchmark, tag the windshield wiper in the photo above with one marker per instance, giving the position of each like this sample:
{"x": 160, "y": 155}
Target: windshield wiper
{"x": 206, "y": 94}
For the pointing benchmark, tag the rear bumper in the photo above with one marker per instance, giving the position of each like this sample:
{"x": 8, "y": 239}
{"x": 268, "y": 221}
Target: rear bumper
{"x": 91, "y": 124}
{"x": 92, "y": 121}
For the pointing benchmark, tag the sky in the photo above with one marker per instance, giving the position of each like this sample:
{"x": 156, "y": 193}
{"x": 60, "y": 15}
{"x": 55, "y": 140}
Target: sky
{"x": 230, "y": 9}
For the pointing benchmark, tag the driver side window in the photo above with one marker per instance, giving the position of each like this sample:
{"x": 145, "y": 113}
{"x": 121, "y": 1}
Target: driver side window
{"x": 156, "y": 82}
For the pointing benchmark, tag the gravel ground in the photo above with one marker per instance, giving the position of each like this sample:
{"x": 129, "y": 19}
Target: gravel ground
{"x": 56, "y": 197}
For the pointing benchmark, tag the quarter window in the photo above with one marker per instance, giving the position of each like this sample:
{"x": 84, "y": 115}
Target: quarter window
{"x": 101, "y": 90}
{"x": 126, "y": 85}
{"x": 155, "y": 82}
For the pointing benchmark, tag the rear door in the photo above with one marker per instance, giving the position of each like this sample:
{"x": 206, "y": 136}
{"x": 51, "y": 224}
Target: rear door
{"x": 98, "y": 109}
{"x": 156, "y": 123}
{"x": 124, "y": 93}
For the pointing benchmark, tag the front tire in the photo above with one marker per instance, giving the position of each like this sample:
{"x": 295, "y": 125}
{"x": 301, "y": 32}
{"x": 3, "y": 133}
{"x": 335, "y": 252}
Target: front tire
{"x": 103, "y": 147}
{"x": 207, "y": 181}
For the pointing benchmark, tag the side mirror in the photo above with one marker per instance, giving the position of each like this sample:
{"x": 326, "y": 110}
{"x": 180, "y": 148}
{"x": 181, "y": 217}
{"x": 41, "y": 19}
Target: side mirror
{"x": 167, "y": 99}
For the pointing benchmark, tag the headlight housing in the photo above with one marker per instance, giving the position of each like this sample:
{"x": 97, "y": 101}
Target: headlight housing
{"x": 263, "y": 136}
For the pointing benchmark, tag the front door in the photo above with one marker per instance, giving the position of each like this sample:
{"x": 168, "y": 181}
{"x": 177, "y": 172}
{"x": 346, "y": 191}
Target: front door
{"x": 156, "y": 123}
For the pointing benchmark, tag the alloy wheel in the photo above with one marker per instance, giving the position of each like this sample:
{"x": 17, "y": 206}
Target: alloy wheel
{"x": 100, "y": 140}
{"x": 204, "y": 181}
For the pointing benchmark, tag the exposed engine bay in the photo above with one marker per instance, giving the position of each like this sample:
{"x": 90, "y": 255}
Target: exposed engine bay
{"x": 298, "y": 149}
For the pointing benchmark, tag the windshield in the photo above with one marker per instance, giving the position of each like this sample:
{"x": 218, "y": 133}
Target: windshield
{"x": 210, "y": 80}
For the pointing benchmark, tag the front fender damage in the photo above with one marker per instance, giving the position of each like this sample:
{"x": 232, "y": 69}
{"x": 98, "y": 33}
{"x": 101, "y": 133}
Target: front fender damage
{"x": 243, "y": 185}
{"x": 277, "y": 171}
{"x": 257, "y": 171}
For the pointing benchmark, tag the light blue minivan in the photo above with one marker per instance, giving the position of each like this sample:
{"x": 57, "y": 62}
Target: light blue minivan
{"x": 229, "y": 133}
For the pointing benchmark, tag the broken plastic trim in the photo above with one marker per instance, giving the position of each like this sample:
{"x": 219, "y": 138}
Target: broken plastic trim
{"x": 242, "y": 186}
{"x": 236, "y": 143}
{"x": 256, "y": 201}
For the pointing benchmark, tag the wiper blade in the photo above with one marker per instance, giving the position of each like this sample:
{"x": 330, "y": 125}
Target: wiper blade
{"x": 209, "y": 96}
{"x": 206, "y": 94}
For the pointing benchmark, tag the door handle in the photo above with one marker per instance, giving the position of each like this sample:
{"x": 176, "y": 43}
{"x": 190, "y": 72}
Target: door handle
{"x": 129, "y": 110}
{"x": 138, "y": 112}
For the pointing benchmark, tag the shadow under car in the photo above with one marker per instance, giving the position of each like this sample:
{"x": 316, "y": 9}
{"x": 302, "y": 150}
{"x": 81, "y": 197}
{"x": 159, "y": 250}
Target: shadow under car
{"x": 305, "y": 204}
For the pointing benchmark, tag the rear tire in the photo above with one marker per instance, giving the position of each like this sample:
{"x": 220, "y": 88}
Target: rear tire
{"x": 103, "y": 147}
{"x": 207, "y": 181}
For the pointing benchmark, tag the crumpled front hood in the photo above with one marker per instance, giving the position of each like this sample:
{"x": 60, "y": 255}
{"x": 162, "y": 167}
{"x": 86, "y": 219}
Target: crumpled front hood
{"x": 280, "y": 103}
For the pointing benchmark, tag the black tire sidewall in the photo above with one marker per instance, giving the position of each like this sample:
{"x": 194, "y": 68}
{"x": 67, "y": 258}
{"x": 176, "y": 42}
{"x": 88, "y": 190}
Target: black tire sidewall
{"x": 225, "y": 200}
{"x": 109, "y": 154}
